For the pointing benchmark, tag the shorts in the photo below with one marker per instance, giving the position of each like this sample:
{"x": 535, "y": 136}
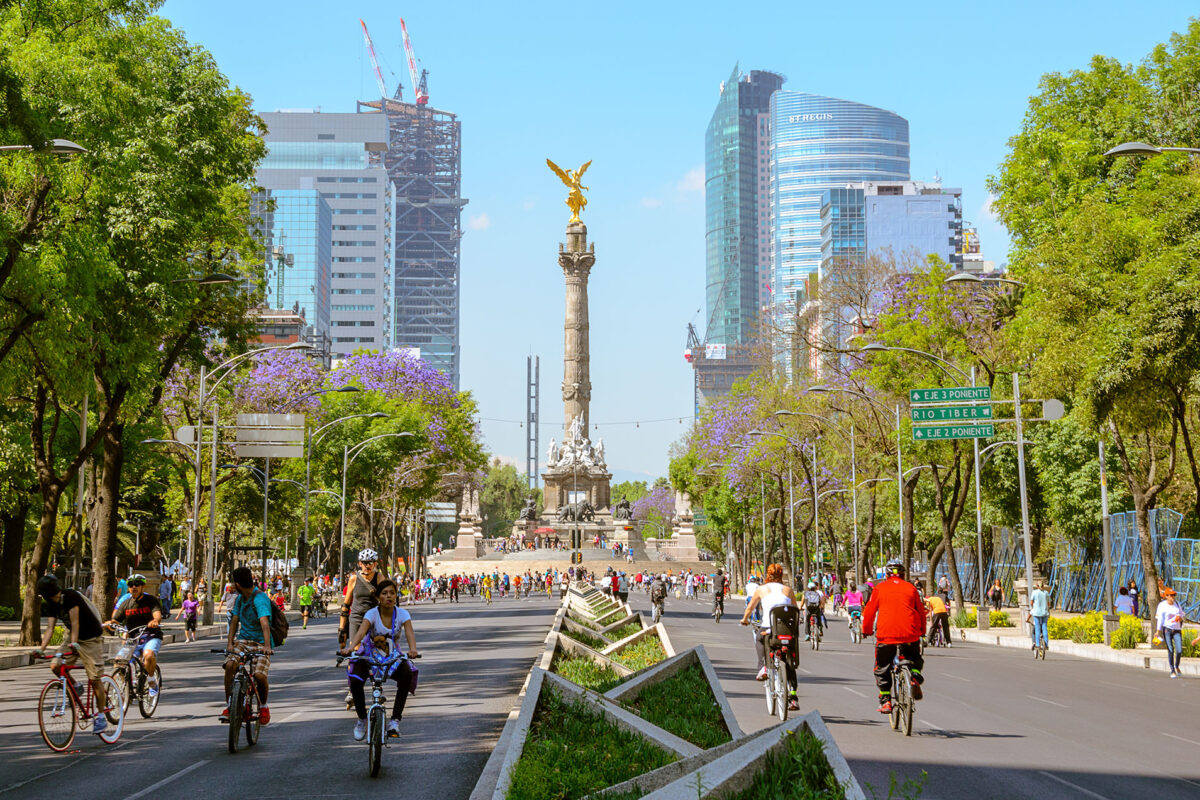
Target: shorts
{"x": 88, "y": 651}
{"x": 153, "y": 644}
{"x": 306, "y": 609}
{"x": 189, "y": 624}
{"x": 260, "y": 662}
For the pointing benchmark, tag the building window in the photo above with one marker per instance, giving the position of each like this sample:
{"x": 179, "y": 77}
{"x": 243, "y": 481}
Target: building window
{"x": 354, "y": 276}
{"x": 353, "y": 291}
{"x": 325, "y": 137}
{"x": 354, "y": 211}
{"x": 354, "y": 227}
{"x": 352, "y": 308}
{"x": 355, "y": 243}
{"x": 354, "y": 260}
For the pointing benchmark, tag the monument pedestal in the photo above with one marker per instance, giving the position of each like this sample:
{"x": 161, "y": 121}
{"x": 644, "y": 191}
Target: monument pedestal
{"x": 594, "y": 486}
{"x": 465, "y": 542}
{"x": 686, "y": 548}
{"x": 298, "y": 576}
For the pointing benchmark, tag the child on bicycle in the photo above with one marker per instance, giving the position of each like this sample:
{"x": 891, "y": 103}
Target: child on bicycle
{"x": 853, "y": 603}
{"x": 380, "y": 637}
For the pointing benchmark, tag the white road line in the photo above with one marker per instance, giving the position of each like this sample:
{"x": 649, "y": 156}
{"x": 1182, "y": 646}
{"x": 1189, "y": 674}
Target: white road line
{"x": 291, "y": 717}
{"x": 935, "y": 727}
{"x": 805, "y": 671}
{"x": 1043, "y": 700}
{"x": 12, "y": 786}
{"x": 857, "y": 692}
{"x": 1066, "y": 782}
{"x": 1180, "y": 738}
{"x": 167, "y": 780}
{"x": 956, "y": 677}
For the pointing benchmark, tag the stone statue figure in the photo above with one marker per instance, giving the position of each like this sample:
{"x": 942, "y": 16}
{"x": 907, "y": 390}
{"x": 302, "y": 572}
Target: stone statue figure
{"x": 552, "y": 454}
{"x": 575, "y": 432}
{"x": 572, "y": 178}
{"x": 600, "y": 452}
{"x": 585, "y": 452}
{"x": 529, "y": 512}
{"x": 624, "y": 509}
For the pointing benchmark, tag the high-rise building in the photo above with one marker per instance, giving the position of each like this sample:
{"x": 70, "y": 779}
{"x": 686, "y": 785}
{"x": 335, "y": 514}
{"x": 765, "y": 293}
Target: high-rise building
{"x": 817, "y": 144}
{"x": 424, "y": 161}
{"x": 338, "y": 161}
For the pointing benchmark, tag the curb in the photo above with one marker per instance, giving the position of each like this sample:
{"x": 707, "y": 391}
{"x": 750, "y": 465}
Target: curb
{"x": 1094, "y": 652}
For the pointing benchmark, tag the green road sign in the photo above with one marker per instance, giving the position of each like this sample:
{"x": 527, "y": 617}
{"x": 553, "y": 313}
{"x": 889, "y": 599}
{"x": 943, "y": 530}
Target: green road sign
{"x": 952, "y": 432}
{"x": 950, "y": 413}
{"x": 951, "y": 394}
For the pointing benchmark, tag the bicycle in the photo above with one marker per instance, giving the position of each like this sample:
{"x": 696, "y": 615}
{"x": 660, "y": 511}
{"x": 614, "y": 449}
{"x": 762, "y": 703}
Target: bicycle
{"x": 319, "y": 607}
{"x": 781, "y": 652}
{"x": 856, "y": 627}
{"x": 718, "y": 609}
{"x": 937, "y": 637}
{"x": 903, "y": 706}
{"x": 130, "y": 674}
{"x": 813, "y": 626}
{"x": 243, "y": 701}
{"x": 381, "y": 669}
{"x": 61, "y": 711}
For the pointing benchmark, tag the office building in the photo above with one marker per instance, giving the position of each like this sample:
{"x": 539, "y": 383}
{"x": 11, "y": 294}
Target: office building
{"x": 335, "y": 162}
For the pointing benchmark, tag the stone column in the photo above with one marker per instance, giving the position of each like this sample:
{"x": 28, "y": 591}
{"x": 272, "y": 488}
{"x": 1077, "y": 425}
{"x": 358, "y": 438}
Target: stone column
{"x": 576, "y": 260}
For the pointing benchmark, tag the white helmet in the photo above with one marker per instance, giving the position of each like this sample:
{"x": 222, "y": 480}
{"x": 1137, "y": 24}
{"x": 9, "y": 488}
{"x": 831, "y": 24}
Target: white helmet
{"x": 367, "y": 554}
{"x": 811, "y": 584}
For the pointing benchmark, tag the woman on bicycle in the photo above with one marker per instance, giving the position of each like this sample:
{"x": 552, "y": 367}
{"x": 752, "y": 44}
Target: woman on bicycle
{"x": 853, "y": 602}
{"x": 771, "y": 594}
{"x": 380, "y": 637}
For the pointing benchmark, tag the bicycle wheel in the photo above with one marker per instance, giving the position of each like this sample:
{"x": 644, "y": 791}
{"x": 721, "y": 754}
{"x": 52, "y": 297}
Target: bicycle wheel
{"x": 237, "y": 703}
{"x": 147, "y": 702}
{"x": 781, "y": 690}
{"x": 56, "y": 716}
{"x": 894, "y": 718}
{"x": 904, "y": 695}
{"x": 717, "y": 614}
{"x": 817, "y": 638}
{"x": 115, "y": 707}
{"x": 121, "y": 676}
{"x": 375, "y": 733}
{"x": 251, "y": 714}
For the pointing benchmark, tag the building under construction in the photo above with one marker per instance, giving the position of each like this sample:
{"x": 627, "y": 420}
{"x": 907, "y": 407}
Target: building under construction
{"x": 424, "y": 162}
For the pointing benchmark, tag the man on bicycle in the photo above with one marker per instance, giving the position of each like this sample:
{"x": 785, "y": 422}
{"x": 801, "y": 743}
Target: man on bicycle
{"x": 249, "y": 633}
{"x": 814, "y": 609}
{"x": 82, "y": 640}
{"x": 719, "y": 583}
{"x": 145, "y": 611}
{"x": 306, "y": 594}
{"x": 939, "y": 617}
{"x": 896, "y": 616}
{"x": 658, "y": 592}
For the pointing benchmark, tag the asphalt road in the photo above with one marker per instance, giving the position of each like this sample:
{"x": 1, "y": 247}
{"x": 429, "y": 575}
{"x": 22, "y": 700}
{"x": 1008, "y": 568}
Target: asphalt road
{"x": 474, "y": 659}
{"x": 994, "y": 723}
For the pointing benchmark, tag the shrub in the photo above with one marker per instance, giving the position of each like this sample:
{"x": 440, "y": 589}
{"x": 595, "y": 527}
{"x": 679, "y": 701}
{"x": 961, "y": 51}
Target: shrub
{"x": 999, "y": 619}
{"x": 7, "y": 613}
{"x": 582, "y": 620}
{"x": 641, "y": 654}
{"x": 625, "y": 630}
{"x": 590, "y": 641}
{"x": 1085, "y": 629}
{"x": 614, "y": 617}
{"x": 1191, "y": 644}
{"x": 57, "y": 637}
{"x": 1129, "y": 634}
{"x": 963, "y": 619}
{"x": 969, "y": 619}
{"x": 684, "y": 705}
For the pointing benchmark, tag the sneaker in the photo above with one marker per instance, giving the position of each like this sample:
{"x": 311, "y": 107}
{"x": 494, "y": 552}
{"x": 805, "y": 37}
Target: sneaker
{"x": 360, "y": 730}
{"x": 393, "y": 728}
{"x": 100, "y": 725}
{"x": 793, "y": 703}
{"x": 807, "y": 637}
{"x": 762, "y": 675}
{"x": 264, "y": 716}
{"x": 152, "y": 689}
{"x": 916, "y": 691}
{"x": 224, "y": 717}
{"x": 1174, "y": 674}
{"x": 885, "y": 707}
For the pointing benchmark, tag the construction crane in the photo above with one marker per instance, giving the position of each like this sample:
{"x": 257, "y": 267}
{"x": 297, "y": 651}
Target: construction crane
{"x": 375, "y": 63}
{"x": 420, "y": 85}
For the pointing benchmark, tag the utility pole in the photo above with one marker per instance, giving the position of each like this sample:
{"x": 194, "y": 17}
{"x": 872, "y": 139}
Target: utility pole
{"x": 533, "y": 367}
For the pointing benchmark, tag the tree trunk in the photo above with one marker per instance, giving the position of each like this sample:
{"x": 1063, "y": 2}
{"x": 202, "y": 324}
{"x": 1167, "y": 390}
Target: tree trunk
{"x": 935, "y": 558}
{"x": 31, "y": 623}
{"x": 104, "y": 534}
{"x": 1145, "y": 495}
{"x": 13, "y": 542}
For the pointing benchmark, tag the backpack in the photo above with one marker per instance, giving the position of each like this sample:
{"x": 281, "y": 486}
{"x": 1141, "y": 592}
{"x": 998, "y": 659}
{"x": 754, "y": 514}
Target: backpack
{"x": 658, "y": 590}
{"x": 279, "y": 623}
{"x": 812, "y": 599}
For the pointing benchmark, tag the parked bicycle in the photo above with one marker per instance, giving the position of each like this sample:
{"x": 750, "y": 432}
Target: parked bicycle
{"x": 381, "y": 669}
{"x": 903, "y": 705}
{"x": 130, "y": 673}
{"x": 63, "y": 708}
{"x": 243, "y": 700}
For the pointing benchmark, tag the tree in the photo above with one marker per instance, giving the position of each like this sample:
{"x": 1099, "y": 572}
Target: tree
{"x": 502, "y": 498}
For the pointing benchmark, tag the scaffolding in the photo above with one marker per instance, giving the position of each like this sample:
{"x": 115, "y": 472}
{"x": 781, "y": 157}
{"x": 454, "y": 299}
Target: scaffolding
{"x": 424, "y": 162}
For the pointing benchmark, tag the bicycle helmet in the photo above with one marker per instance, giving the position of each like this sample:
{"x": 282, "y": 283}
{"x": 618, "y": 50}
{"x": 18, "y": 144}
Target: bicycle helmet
{"x": 135, "y": 580}
{"x": 812, "y": 585}
{"x": 894, "y": 567}
{"x": 367, "y": 554}
{"x": 47, "y": 586}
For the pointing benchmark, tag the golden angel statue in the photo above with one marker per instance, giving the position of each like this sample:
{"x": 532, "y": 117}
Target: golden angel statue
{"x": 571, "y": 179}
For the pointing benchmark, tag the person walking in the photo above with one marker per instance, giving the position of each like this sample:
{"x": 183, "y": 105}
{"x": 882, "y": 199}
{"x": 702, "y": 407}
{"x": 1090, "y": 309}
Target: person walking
{"x": 166, "y": 591}
{"x": 1168, "y": 619}
{"x": 1133, "y": 595}
{"x": 188, "y": 612}
{"x": 1124, "y": 603}
{"x": 996, "y": 594}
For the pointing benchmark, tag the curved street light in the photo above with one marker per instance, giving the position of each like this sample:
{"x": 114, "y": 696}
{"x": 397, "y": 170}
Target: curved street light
{"x": 58, "y": 147}
{"x": 1143, "y": 149}
{"x": 876, "y": 347}
{"x": 347, "y": 460}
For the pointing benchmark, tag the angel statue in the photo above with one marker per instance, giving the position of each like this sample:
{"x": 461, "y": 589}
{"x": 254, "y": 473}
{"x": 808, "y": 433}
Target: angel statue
{"x": 571, "y": 179}
{"x": 552, "y": 453}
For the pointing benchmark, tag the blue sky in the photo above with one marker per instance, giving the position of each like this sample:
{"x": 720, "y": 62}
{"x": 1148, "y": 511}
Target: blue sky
{"x": 632, "y": 86}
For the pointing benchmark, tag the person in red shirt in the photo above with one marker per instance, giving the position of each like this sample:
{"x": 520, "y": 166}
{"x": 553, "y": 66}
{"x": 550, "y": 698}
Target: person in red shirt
{"x": 896, "y": 615}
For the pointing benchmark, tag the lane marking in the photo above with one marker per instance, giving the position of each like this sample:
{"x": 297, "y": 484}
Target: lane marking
{"x": 1043, "y": 700}
{"x": 857, "y": 692}
{"x": 956, "y": 677}
{"x": 79, "y": 760}
{"x": 291, "y": 717}
{"x": 167, "y": 780}
{"x": 805, "y": 671}
{"x": 936, "y": 727}
{"x": 1075, "y": 786}
{"x": 1180, "y": 738}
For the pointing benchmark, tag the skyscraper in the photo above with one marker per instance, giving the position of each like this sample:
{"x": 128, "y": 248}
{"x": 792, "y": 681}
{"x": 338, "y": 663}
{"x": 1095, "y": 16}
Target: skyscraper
{"x": 337, "y": 159}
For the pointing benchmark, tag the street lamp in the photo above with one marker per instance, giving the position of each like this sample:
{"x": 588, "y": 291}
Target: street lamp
{"x": 212, "y": 279}
{"x": 970, "y": 277}
{"x": 347, "y": 460}
{"x": 266, "y": 480}
{"x": 1143, "y": 149}
{"x": 59, "y": 147}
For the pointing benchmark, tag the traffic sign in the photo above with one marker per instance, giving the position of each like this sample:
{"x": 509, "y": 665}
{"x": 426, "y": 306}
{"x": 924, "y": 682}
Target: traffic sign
{"x": 968, "y": 431}
{"x": 950, "y": 413}
{"x": 951, "y": 394}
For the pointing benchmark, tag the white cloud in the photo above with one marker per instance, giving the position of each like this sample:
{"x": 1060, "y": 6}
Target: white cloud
{"x": 693, "y": 181}
{"x": 651, "y": 202}
{"x": 480, "y": 222}
{"x": 986, "y": 212}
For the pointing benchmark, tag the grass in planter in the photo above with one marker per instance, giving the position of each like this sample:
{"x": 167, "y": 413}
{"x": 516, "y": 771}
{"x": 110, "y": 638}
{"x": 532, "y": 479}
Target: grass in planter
{"x": 582, "y": 671}
{"x": 625, "y": 630}
{"x": 591, "y": 641}
{"x": 797, "y": 772}
{"x": 571, "y": 752}
{"x": 609, "y": 619}
{"x": 644, "y": 653}
{"x": 684, "y": 705}
{"x": 582, "y": 620}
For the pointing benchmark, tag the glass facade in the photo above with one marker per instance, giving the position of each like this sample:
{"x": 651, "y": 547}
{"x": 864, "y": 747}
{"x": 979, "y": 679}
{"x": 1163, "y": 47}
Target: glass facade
{"x": 300, "y": 224}
{"x": 819, "y": 144}
{"x": 315, "y": 155}
{"x": 736, "y": 231}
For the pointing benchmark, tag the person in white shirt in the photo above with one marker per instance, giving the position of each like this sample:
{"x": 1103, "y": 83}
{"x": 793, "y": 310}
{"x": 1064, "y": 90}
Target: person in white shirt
{"x": 1168, "y": 620}
{"x": 771, "y": 594}
{"x": 380, "y": 636}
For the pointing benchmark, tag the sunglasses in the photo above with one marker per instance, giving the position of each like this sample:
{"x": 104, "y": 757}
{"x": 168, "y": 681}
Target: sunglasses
{"x": 132, "y": 585}
{"x": 367, "y": 563}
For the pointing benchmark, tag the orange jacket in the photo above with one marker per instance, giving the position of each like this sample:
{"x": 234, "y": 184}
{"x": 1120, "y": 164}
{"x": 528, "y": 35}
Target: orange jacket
{"x": 901, "y": 614}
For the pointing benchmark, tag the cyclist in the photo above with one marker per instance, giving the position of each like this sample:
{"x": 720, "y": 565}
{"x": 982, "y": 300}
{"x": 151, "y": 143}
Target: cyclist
{"x": 719, "y": 583}
{"x": 82, "y": 640}
{"x": 814, "y": 609}
{"x": 771, "y": 594}
{"x": 939, "y": 617}
{"x": 306, "y": 594}
{"x": 896, "y": 616}
{"x": 362, "y": 594}
{"x": 145, "y": 611}
{"x": 1039, "y": 614}
{"x": 380, "y": 634}
{"x": 249, "y": 632}
{"x": 658, "y": 592}
{"x": 853, "y": 603}
{"x": 487, "y": 589}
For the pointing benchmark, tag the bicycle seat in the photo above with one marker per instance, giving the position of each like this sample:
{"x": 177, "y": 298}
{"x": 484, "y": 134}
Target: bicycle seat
{"x": 784, "y": 626}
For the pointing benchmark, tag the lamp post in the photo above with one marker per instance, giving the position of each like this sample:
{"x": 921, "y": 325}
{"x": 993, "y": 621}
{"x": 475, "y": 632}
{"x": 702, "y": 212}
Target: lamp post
{"x": 59, "y": 147}
{"x": 265, "y": 477}
{"x": 347, "y": 460}
{"x": 1143, "y": 149}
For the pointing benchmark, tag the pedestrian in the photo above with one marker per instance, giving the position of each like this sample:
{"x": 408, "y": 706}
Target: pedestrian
{"x": 188, "y": 612}
{"x": 165, "y": 592}
{"x": 1169, "y": 620}
{"x": 996, "y": 594}
{"x": 1124, "y": 604}
{"x": 1133, "y": 594}
{"x": 623, "y": 588}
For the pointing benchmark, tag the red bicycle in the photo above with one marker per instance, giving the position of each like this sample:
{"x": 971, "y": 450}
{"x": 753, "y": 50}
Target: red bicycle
{"x": 243, "y": 701}
{"x": 63, "y": 709}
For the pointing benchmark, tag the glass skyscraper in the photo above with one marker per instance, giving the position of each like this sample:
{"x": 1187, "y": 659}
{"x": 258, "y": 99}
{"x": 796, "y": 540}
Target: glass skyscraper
{"x": 818, "y": 144}
{"x": 737, "y": 231}
{"x": 300, "y": 224}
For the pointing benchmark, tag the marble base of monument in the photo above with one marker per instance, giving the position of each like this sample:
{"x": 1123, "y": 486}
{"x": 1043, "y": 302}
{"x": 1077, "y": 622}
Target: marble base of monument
{"x": 686, "y": 548}
{"x": 560, "y": 484}
{"x": 468, "y": 542}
